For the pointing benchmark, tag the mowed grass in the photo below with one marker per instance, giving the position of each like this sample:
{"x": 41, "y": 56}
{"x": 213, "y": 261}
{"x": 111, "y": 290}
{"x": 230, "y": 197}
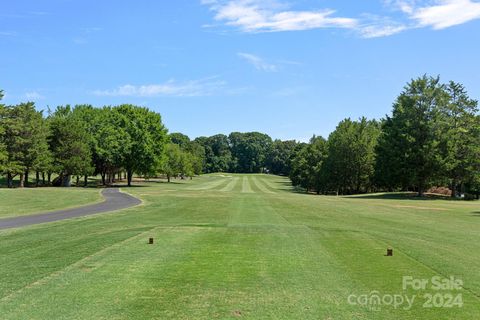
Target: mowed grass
{"x": 17, "y": 202}
{"x": 240, "y": 247}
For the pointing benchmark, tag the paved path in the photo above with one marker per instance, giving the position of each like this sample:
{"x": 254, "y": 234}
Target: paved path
{"x": 114, "y": 200}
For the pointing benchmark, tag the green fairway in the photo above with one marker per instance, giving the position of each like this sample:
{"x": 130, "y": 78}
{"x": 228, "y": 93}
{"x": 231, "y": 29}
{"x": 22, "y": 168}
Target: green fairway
{"x": 17, "y": 202}
{"x": 236, "y": 247}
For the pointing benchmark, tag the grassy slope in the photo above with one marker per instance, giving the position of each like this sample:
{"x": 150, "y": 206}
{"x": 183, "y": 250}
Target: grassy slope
{"x": 230, "y": 248}
{"x": 16, "y": 202}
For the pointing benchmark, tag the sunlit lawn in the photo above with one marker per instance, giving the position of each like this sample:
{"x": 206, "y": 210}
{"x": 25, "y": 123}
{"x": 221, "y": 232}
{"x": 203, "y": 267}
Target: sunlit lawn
{"x": 237, "y": 246}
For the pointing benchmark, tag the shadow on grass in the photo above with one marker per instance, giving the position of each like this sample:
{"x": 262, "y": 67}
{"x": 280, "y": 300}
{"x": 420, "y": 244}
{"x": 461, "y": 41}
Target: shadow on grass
{"x": 400, "y": 196}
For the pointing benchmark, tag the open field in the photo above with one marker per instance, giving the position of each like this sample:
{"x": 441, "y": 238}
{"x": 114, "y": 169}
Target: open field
{"x": 17, "y": 202}
{"x": 238, "y": 247}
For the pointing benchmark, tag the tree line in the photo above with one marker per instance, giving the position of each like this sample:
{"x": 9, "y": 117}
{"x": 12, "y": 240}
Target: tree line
{"x": 431, "y": 138}
{"x": 80, "y": 141}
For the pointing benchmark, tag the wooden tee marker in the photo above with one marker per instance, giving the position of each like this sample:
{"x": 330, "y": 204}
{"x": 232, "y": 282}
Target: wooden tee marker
{"x": 389, "y": 252}
{"x": 150, "y": 241}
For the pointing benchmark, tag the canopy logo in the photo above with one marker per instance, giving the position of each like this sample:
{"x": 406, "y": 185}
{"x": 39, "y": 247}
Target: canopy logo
{"x": 437, "y": 292}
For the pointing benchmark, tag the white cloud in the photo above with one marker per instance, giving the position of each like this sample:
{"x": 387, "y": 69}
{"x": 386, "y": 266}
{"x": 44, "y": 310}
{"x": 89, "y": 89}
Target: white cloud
{"x": 272, "y": 16}
{"x": 275, "y": 16}
{"x": 172, "y": 88}
{"x": 406, "y": 6}
{"x": 380, "y": 27}
{"x": 376, "y": 31}
{"x": 33, "y": 95}
{"x": 447, "y": 13}
{"x": 258, "y": 62}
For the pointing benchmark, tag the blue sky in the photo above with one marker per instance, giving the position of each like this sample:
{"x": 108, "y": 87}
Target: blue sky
{"x": 287, "y": 68}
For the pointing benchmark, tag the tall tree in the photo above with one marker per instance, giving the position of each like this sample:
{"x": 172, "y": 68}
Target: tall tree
{"x": 112, "y": 143}
{"x": 409, "y": 147}
{"x": 460, "y": 136}
{"x": 249, "y": 151}
{"x": 180, "y": 139}
{"x": 280, "y": 155}
{"x": 148, "y": 138}
{"x": 3, "y": 147}
{"x": 171, "y": 164}
{"x": 218, "y": 157}
{"x": 25, "y": 138}
{"x": 69, "y": 142}
{"x": 193, "y": 151}
{"x": 307, "y": 165}
{"x": 349, "y": 167}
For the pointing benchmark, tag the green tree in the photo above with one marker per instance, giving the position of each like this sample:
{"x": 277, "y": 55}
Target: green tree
{"x": 193, "y": 150}
{"x": 172, "y": 162}
{"x": 349, "y": 167}
{"x": 249, "y": 151}
{"x": 460, "y": 136}
{"x": 307, "y": 165}
{"x": 218, "y": 157}
{"x": 180, "y": 139}
{"x": 148, "y": 138}
{"x": 69, "y": 142}
{"x": 3, "y": 147}
{"x": 25, "y": 139}
{"x": 408, "y": 152}
{"x": 279, "y": 157}
{"x": 112, "y": 143}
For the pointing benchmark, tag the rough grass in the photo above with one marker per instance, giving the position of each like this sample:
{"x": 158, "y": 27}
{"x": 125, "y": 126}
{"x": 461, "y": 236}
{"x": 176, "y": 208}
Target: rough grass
{"x": 245, "y": 250}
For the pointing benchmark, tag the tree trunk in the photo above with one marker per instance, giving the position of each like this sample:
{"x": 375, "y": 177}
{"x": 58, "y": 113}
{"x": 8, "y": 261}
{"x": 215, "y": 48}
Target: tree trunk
{"x": 168, "y": 177}
{"x": 66, "y": 180}
{"x": 25, "y": 183}
{"x": 421, "y": 191}
{"x": 22, "y": 180}
{"x": 454, "y": 188}
{"x": 49, "y": 176}
{"x": 43, "y": 178}
{"x": 78, "y": 181}
{"x": 103, "y": 178}
{"x": 37, "y": 179}
{"x": 85, "y": 181}
{"x": 9, "y": 180}
{"x": 129, "y": 177}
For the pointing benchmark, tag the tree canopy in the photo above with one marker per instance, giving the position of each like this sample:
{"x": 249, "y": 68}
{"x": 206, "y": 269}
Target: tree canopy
{"x": 431, "y": 138}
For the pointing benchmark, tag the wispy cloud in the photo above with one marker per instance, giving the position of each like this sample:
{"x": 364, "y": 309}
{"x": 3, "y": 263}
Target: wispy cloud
{"x": 377, "y": 31}
{"x": 171, "y": 88}
{"x": 273, "y": 16}
{"x": 255, "y": 16}
{"x": 376, "y": 27}
{"x": 34, "y": 95}
{"x": 437, "y": 14}
{"x": 258, "y": 62}
{"x": 446, "y": 13}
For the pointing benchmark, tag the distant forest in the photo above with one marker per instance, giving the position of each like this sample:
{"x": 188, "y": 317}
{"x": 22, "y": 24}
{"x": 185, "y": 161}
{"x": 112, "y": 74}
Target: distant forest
{"x": 431, "y": 138}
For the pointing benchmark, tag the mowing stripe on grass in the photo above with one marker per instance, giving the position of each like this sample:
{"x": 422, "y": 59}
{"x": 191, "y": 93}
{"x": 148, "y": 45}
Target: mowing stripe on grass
{"x": 269, "y": 184}
{"x": 230, "y": 185}
{"x": 208, "y": 185}
{"x": 57, "y": 273}
{"x": 260, "y": 186}
{"x": 246, "y": 186}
